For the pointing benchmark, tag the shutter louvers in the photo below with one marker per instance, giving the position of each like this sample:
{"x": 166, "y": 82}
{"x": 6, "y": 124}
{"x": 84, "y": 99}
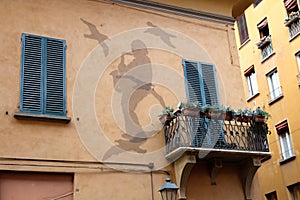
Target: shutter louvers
{"x": 210, "y": 86}
{"x": 32, "y": 74}
{"x": 193, "y": 82}
{"x": 54, "y": 103}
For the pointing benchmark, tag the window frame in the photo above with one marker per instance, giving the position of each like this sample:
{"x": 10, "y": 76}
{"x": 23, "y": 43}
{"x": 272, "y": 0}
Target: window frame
{"x": 242, "y": 28}
{"x": 285, "y": 140}
{"x": 297, "y": 54}
{"x": 251, "y": 81}
{"x": 271, "y": 196}
{"x": 201, "y": 81}
{"x": 44, "y": 79}
{"x": 274, "y": 85}
{"x": 256, "y": 3}
{"x": 294, "y": 191}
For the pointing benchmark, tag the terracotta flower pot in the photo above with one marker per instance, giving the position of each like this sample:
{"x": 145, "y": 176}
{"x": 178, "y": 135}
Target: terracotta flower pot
{"x": 191, "y": 111}
{"x": 165, "y": 118}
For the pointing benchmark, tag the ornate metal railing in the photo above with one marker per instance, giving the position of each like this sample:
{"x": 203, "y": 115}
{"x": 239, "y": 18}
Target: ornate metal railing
{"x": 201, "y": 132}
{"x": 294, "y": 26}
{"x": 265, "y": 45}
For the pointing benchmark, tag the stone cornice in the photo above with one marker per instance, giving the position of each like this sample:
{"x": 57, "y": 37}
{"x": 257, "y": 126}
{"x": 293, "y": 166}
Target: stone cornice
{"x": 178, "y": 10}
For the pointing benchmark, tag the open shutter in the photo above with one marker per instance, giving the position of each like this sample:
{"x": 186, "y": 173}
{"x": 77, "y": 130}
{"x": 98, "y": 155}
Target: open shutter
{"x": 192, "y": 80}
{"x": 55, "y": 77}
{"x": 31, "y": 76}
{"x": 209, "y": 84}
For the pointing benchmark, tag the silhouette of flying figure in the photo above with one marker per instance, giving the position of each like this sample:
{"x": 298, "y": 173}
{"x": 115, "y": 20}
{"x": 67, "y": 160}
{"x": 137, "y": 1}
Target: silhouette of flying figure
{"x": 133, "y": 136}
{"x": 157, "y": 31}
{"x": 96, "y": 35}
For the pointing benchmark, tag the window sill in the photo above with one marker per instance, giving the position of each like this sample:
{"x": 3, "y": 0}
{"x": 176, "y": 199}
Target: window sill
{"x": 287, "y": 160}
{"x": 252, "y": 97}
{"x": 40, "y": 117}
{"x": 296, "y": 35}
{"x": 266, "y": 58}
{"x": 275, "y": 99}
{"x": 244, "y": 43}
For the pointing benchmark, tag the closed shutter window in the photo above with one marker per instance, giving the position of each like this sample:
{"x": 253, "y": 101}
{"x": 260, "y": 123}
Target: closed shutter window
{"x": 242, "y": 27}
{"x": 43, "y": 75}
{"x": 201, "y": 85}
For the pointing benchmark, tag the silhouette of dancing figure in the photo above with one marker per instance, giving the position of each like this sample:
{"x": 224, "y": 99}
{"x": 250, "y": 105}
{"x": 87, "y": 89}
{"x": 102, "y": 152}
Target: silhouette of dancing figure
{"x": 96, "y": 35}
{"x": 130, "y": 141}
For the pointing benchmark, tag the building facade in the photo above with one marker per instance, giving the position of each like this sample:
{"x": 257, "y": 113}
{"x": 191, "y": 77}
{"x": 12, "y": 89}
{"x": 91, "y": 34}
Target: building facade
{"x": 83, "y": 83}
{"x": 268, "y": 45}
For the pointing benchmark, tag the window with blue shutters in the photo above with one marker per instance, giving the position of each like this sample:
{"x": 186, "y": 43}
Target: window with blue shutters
{"x": 201, "y": 84}
{"x": 201, "y": 88}
{"x": 43, "y": 76}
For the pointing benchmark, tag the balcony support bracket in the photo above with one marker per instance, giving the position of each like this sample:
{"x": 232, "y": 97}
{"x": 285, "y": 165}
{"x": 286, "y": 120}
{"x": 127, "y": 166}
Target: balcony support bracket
{"x": 214, "y": 168}
{"x": 249, "y": 169}
{"x": 183, "y": 168}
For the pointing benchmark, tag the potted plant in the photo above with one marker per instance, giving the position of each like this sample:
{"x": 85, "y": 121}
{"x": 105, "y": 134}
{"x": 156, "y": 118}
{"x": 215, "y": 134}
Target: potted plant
{"x": 166, "y": 115}
{"x": 212, "y": 111}
{"x": 260, "y": 115}
{"x": 293, "y": 16}
{"x": 244, "y": 115}
{"x": 229, "y": 112}
{"x": 192, "y": 109}
{"x": 263, "y": 41}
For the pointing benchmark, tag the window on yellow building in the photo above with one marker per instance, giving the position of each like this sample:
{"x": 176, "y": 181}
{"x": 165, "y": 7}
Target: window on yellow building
{"x": 293, "y": 17}
{"x": 285, "y": 140}
{"x": 271, "y": 196}
{"x": 298, "y": 62}
{"x": 251, "y": 81}
{"x": 263, "y": 28}
{"x": 264, "y": 44}
{"x": 294, "y": 191}
{"x": 298, "y": 59}
{"x": 256, "y": 3}
{"x": 274, "y": 86}
{"x": 291, "y": 6}
{"x": 243, "y": 30}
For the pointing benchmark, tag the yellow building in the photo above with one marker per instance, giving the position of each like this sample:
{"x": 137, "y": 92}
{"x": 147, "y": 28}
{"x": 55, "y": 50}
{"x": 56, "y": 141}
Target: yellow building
{"x": 268, "y": 48}
{"x": 83, "y": 83}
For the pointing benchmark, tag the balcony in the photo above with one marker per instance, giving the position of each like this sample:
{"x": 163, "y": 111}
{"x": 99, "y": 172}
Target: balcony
{"x": 216, "y": 137}
{"x": 265, "y": 45}
{"x": 225, "y": 137}
{"x": 293, "y": 23}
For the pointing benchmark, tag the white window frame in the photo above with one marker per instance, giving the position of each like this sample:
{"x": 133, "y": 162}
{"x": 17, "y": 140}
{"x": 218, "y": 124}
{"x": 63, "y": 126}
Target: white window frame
{"x": 252, "y": 83}
{"x": 274, "y": 85}
{"x": 294, "y": 191}
{"x": 286, "y": 145}
{"x": 298, "y": 59}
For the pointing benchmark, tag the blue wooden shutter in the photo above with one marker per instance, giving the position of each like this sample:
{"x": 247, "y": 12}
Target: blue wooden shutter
{"x": 209, "y": 84}
{"x": 43, "y": 75}
{"x": 55, "y": 77}
{"x": 192, "y": 80}
{"x": 31, "y": 76}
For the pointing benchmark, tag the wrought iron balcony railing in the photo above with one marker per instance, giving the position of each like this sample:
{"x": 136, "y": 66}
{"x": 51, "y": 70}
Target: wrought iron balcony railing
{"x": 201, "y": 132}
{"x": 293, "y": 22}
{"x": 265, "y": 45}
